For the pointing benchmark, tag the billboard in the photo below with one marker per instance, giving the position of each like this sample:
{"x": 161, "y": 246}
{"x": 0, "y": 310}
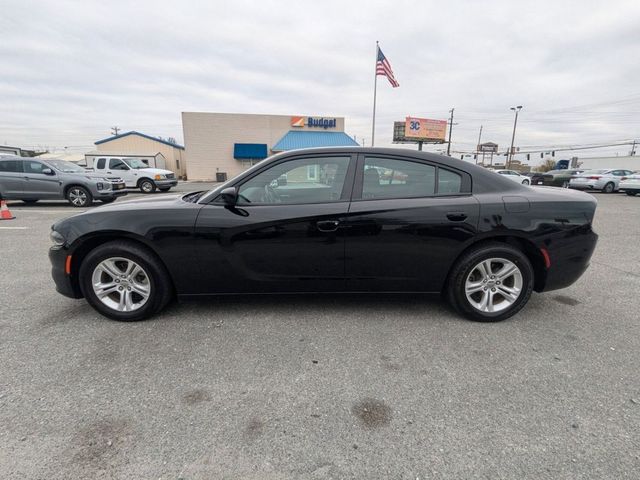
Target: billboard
{"x": 425, "y": 129}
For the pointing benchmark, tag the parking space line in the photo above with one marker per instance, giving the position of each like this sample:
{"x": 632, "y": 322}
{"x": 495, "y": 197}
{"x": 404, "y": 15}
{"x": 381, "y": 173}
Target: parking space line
{"x": 14, "y": 228}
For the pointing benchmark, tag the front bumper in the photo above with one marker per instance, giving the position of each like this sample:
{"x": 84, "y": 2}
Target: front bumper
{"x": 169, "y": 182}
{"x": 64, "y": 283}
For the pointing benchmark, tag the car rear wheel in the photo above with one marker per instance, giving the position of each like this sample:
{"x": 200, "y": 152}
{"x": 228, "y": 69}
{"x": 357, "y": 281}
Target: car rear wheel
{"x": 146, "y": 186}
{"x": 124, "y": 281}
{"x": 609, "y": 187}
{"x": 490, "y": 283}
{"x": 79, "y": 197}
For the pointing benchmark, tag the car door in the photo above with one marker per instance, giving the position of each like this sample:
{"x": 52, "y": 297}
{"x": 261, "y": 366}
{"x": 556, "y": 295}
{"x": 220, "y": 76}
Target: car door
{"x": 285, "y": 232}
{"x": 117, "y": 167}
{"x": 39, "y": 184}
{"x": 11, "y": 179}
{"x": 408, "y": 221}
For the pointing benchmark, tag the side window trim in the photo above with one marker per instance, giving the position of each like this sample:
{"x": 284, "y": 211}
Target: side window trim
{"x": 465, "y": 181}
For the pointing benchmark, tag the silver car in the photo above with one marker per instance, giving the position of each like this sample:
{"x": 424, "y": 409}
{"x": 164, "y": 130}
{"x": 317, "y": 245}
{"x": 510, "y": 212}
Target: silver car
{"x": 605, "y": 180}
{"x": 33, "y": 179}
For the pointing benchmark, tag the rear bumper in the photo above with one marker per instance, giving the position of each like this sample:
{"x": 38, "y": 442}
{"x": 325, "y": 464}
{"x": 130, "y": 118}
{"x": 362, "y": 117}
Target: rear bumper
{"x": 64, "y": 283}
{"x": 570, "y": 258}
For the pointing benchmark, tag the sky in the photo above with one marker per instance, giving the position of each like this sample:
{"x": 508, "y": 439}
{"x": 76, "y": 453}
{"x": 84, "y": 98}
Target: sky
{"x": 71, "y": 70}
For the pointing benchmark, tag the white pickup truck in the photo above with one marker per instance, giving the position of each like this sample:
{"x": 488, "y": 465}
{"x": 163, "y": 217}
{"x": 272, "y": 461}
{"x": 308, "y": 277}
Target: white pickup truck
{"x": 135, "y": 173}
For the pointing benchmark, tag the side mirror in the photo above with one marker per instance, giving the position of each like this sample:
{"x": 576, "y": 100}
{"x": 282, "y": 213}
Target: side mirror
{"x": 48, "y": 171}
{"x": 229, "y": 196}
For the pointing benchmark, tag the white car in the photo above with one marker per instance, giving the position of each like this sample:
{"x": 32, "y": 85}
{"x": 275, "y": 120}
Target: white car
{"x": 606, "y": 180}
{"x": 515, "y": 176}
{"x": 630, "y": 184}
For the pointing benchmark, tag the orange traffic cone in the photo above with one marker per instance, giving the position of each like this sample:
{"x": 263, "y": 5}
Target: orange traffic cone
{"x": 5, "y": 214}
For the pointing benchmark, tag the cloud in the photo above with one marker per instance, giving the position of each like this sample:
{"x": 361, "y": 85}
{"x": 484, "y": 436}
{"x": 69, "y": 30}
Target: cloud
{"x": 71, "y": 70}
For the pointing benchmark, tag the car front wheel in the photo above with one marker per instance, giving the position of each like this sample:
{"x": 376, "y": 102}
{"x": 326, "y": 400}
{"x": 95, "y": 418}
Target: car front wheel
{"x": 491, "y": 282}
{"x": 124, "y": 281}
{"x": 79, "y": 197}
{"x": 147, "y": 186}
{"x": 525, "y": 182}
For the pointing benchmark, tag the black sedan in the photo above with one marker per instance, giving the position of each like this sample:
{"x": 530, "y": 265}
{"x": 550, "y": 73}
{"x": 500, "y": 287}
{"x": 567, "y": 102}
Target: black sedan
{"x": 332, "y": 220}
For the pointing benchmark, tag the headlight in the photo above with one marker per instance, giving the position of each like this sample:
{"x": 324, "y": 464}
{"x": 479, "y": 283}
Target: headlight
{"x": 160, "y": 177}
{"x": 57, "y": 238}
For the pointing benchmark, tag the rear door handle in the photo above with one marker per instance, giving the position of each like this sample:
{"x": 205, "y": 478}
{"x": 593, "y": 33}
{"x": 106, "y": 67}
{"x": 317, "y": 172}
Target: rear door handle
{"x": 456, "y": 216}
{"x": 328, "y": 225}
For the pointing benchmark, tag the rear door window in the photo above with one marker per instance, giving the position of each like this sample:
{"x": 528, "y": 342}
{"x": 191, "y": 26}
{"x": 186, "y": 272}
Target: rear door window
{"x": 14, "y": 166}
{"x": 101, "y": 163}
{"x": 393, "y": 178}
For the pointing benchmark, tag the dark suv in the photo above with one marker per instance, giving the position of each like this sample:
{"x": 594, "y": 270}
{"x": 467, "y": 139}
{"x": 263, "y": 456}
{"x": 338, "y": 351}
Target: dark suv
{"x": 31, "y": 179}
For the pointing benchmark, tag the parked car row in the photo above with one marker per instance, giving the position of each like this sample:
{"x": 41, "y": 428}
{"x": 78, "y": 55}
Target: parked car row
{"x": 33, "y": 179}
{"x": 605, "y": 180}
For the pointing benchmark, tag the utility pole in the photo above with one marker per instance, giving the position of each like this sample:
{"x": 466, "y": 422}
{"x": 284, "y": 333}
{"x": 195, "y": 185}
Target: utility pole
{"x": 115, "y": 130}
{"x": 633, "y": 148}
{"x": 478, "y": 147}
{"x": 513, "y": 136}
{"x": 450, "y": 129}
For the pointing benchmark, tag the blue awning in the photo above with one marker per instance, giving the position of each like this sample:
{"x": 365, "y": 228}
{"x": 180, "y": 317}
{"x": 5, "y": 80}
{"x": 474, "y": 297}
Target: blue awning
{"x": 243, "y": 151}
{"x": 305, "y": 139}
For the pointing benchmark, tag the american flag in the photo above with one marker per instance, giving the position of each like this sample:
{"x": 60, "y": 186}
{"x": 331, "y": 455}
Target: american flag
{"x": 383, "y": 67}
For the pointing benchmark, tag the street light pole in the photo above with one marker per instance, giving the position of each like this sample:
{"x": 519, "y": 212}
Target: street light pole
{"x": 450, "y": 129}
{"x": 513, "y": 137}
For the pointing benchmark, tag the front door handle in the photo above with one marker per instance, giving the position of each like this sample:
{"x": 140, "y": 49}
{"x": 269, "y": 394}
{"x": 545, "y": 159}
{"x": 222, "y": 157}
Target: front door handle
{"x": 456, "y": 216}
{"x": 328, "y": 225}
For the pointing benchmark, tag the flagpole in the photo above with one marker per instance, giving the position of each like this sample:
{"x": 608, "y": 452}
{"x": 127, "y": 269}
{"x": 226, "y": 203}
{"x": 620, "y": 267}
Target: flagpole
{"x": 375, "y": 87}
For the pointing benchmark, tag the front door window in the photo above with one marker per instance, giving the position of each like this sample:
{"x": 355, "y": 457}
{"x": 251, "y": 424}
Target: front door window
{"x": 300, "y": 181}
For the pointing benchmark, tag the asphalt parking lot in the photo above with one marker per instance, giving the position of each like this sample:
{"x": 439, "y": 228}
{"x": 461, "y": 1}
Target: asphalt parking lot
{"x": 316, "y": 387}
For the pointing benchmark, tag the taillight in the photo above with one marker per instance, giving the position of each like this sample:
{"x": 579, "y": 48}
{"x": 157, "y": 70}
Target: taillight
{"x": 595, "y": 177}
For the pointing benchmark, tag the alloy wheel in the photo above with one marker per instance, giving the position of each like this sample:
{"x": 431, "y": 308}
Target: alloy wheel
{"x": 493, "y": 285}
{"x": 121, "y": 284}
{"x": 78, "y": 197}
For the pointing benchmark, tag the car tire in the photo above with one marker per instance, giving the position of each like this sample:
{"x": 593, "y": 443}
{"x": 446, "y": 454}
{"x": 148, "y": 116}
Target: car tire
{"x": 115, "y": 257}
{"x": 525, "y": 182}
{"x": 467, "y": 276}
{"x": 609, "y": 187}
{"x": 79, "y": 196}
{"x": 30, "y": 201}
{"x": 631, "y": 193}
{"x": 146, "y": 186}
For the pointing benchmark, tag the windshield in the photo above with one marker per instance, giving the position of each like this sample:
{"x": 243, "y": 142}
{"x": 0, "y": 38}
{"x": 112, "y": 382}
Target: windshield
{"x": 64, "y": 166}
{"x": 135, "y": 163}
